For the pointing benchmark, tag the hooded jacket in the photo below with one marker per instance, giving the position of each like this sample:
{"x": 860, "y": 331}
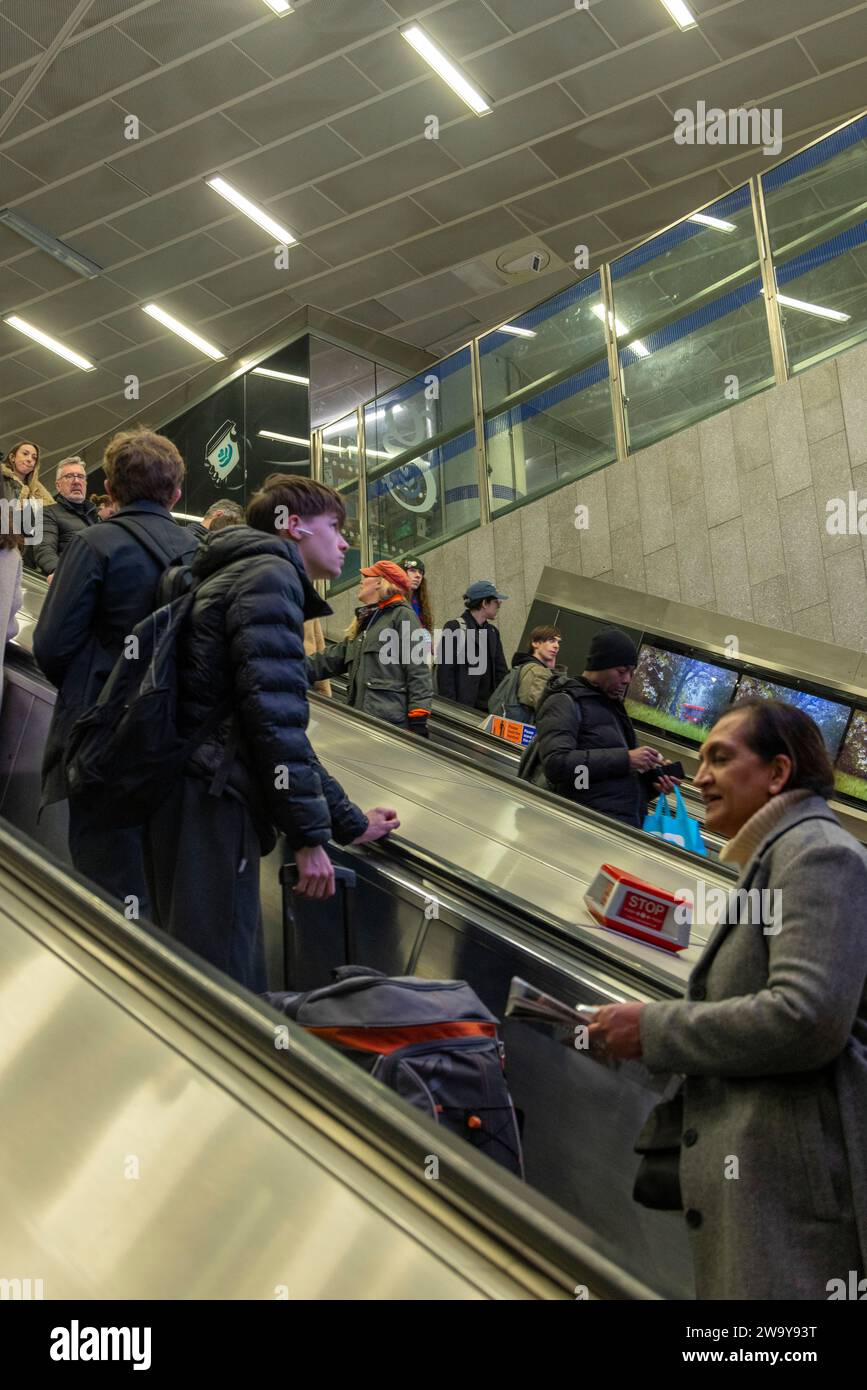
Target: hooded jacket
{"x": 244, "y": 643}
{"x": 469, "y": 670}
{"x": 579, "y": 727}
{"x": 385, "y": 665}
{"x": 533, "y": 679}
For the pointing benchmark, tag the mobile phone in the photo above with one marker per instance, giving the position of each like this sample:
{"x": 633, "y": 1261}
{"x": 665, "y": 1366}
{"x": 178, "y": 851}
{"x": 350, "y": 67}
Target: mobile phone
{"x": 668, "y": 770}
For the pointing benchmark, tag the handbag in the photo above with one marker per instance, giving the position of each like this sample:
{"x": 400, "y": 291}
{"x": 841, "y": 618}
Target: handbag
{"x": 657, "y": 1182}
{"x": 677, "y": 826}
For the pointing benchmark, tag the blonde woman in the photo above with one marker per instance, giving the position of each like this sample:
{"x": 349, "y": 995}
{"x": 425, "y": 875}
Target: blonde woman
{"x": 10, "y": 590}
{"x": 21, "y": 468}
{"x": 386, "y": 663}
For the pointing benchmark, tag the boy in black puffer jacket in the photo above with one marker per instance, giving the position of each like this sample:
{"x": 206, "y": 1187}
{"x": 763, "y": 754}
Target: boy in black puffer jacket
{"x": 244, "y": 648}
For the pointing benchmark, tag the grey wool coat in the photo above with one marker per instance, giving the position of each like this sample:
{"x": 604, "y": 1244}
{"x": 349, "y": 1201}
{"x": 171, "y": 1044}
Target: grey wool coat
{"x": 389, "y": 689}
{"x": 772, "y": 1041}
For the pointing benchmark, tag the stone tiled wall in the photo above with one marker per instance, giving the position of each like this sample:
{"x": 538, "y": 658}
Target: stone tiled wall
{"x": 729, "y": 515}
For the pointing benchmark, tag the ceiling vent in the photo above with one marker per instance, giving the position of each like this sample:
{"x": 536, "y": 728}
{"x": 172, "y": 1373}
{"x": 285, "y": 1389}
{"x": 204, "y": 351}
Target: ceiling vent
{"x": 523, "y": 261}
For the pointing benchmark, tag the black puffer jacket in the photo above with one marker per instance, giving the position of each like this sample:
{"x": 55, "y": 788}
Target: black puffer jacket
{"x": 245, "y": 643}
{"x": 59, "y": 524}
{"x": 578, "y": 726}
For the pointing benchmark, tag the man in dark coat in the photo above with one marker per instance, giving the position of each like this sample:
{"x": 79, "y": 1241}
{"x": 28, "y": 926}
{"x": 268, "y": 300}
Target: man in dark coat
{"x": 585, "y": 745}
{"x": 242, "y": 651}
{"x": 470, "y": 658}
{"x": 71, "y": 514}
{"x": 106, "y": 584}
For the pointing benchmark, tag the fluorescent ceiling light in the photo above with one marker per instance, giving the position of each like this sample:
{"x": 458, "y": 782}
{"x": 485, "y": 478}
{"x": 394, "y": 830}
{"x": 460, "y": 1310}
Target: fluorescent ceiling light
{"x": 282, "y": 376}
{"x": 279, "y": 6}
{"x": 284, "y": 438}
{"x": 67, "y": 255}
{"x": 818, "y": 309}
{"x": 415, "y": 35}
{"x": 183, "y": 332}
{"x": 716, "y": 222}
{"x": 518, "y": 332}
{"x": 680, "y": 13}
{"x": 621, "y": 330}
{"x": 252, "y": 210}
{"x": 48, "y": 342}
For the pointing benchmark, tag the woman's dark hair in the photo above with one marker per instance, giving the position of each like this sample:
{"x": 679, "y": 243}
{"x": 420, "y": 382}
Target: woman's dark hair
{"x": 776, "y": 727}
{"x": 100, "y": 499}
{"x": 423, "y": 595}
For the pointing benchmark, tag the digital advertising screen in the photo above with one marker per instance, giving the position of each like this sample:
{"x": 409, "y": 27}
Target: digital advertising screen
{"x": 679, "y": 694}
{"x": 830, "y": 716}
{"x": 850, "y": 771}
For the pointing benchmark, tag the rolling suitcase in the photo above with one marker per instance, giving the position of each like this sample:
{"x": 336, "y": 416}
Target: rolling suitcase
{"x": 345, "y": 881}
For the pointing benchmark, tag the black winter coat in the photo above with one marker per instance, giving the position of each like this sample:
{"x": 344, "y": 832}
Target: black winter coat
{"x": 59, "y": 524}
{"x": 474, "y": 673}
{"x": 106, "y": 584}
{"x": 578, "y": 726}
{"x": 244, "y": 643}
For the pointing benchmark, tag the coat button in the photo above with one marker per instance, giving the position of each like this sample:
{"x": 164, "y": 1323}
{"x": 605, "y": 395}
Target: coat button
{"x": 689, "y": 1137}
{"x": 693, "y": 1218}
{"x": 698, "y": 992}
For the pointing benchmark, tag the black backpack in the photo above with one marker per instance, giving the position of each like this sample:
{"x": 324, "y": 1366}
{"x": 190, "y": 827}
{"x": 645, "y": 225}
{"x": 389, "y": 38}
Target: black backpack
{"x": 125, "y": 752}
{"x": 504, "y": 699}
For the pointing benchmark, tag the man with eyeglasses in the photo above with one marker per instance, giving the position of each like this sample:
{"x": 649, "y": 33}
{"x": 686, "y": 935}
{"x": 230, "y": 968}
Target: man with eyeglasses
{"x": 73, "y": 513}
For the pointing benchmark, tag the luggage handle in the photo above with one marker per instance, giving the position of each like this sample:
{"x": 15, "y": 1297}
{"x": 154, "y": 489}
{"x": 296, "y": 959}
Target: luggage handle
{"x": 344, "y": 879}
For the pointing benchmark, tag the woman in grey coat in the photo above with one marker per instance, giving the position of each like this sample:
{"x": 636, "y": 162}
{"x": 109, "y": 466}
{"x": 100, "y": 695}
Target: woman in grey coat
{"x": 385, "y": 653}
{"x": 772, "y": 1036}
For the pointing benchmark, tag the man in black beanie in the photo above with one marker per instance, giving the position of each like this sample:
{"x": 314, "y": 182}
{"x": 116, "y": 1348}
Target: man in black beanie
{"x": 585, "y": 745}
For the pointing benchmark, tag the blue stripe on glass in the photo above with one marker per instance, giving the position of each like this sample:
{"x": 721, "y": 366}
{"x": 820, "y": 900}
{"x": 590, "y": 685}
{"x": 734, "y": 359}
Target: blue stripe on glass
{"x": 818, "y": 154}
{"x": 826, "y": 251}
{"x": 681, "y": 328}
{"x": 724, "y": 208}
{"x": 533, "y": 318}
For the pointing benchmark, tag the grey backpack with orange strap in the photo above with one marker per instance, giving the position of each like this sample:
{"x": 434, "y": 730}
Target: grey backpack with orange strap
{"x": 431, "y": 1041}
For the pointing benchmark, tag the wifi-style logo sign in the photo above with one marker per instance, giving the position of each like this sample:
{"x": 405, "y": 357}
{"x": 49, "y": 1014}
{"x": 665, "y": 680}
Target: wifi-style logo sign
{"x": 221, "y": 451}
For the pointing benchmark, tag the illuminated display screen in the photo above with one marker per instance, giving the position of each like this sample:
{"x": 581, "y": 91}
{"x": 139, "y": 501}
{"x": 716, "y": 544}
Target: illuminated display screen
{"x": 677, "y": 693}
{"x": 830, "y": 717}
{"x": 850, "y": 771}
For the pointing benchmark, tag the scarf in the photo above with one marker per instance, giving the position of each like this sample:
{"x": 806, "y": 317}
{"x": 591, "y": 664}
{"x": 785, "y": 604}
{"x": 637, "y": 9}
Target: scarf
{"x": 742, "y": 846}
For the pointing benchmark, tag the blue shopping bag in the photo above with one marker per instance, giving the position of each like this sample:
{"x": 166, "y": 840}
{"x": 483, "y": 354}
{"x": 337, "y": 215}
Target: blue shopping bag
{"x": 677, "y": 826}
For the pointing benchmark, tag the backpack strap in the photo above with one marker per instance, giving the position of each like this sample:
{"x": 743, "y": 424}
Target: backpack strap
{"x": 145, "y": 540}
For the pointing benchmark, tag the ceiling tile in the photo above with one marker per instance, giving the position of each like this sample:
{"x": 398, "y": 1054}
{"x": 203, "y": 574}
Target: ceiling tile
{"x": 451, "y": 246}
{"x": 155, "y": 274}
{"x": 514, "y": 300}
{"x": 240, "y": 325}
{"x": 72, "y": 429}
{"x": 315, "y": 32}
{"x": 838, "y": 43}
{"x": 484, "y": 186}
{"x": 747, "y": 79}
{"x": 666, "y": 161}
{"x": 100, "y": 342}
{"x": 302, "y": 101}
{"x": 596, "y": 140}
{"x": 81, "y": 71}
{"x": 89, "y": 299}
{"x": 167, "y": 353}
{"x": 184, "y": 210}
{"x": 518, "y": 14}
{"x": 442, "y": 325}
{"x": 539, "y": 54}
{"x": 260, "y": 276}
{"x": 585, "y": 231}
{"x": 389, "y": 61}
{"x": 372, "y": 314}
{"x": 23, "y": 120}
{"x": 577, "y": 195}
{"x": 192, "y": 305}
{"x": 41, "y": 22}
{"x": 241, "y": 236}
{"x": 629, "y": 21}
{"x": 399, "y": 116}
{"x": 639, "y": 70}
{"x": 291, "y": 163}
{"x": 370, "y": 231}
{"x": 514, "y": 123}
{"x": 44, "y": 270}
{"x": 69, "y": 391}
{"x": 172, "y": 31}
{"x": 425, "y": 296}
{"x": 16, "y": 46}
{"x": 86, "y": 198}
{"x": 196, "y": 149}
{"x": 191, "y": 89}
{"x": 54, "y": 151}
{"x": 18, "y": 417}
{"x": 14, "y": 290}
{"x": 104, "y": 245}
{"x": 14, "y": 181}
{"x": 16, "y": 376}
{"x": 738, "y": 28}
{"x": 738, "y": 171}
{"x": 414, "y": 165}
{"x": 305, "y": 210}
{"x": 830, "y": 99}
{"x": 468, "y": 25}
{"x": 370, "y": 278}
{"x": 649, "y": 214}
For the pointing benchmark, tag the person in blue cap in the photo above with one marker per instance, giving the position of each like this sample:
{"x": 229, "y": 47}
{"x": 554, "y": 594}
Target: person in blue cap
{"x": 470, "y": 658}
